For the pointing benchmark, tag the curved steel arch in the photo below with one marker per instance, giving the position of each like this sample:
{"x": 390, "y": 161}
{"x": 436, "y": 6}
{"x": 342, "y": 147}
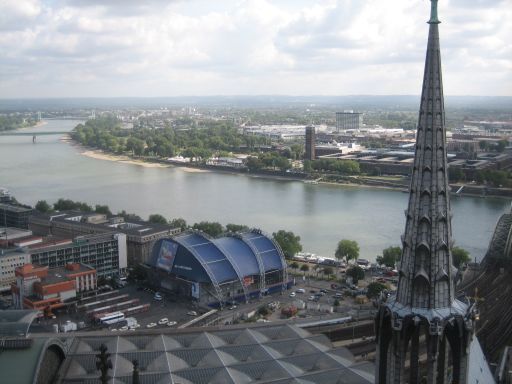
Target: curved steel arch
{"x": 259, "y": 260}
{"x": 281, "y": 256}
{"x": 216, "y": 285}
{"x": 500, "y": 241}
{"x": 231, "y": 261}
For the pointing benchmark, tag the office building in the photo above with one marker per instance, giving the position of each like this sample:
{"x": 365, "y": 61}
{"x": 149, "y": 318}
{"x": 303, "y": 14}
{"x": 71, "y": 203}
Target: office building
{"x": 105, "y": 252}
{"x": 10, "y": 259}
{"x": 14, "y": 215}
{"x": 310, "y": 143}
{"x": 348, "y": 120}
{"x": 140, "y": 235}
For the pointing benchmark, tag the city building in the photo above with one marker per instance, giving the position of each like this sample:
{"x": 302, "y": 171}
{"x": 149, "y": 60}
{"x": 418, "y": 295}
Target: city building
{"x": 10, "y": 235}
{"x": 41, "y": 288}
{"x": 424, "y": 333}
{"x": 348, "y": 120}
{"x": 105, "y": 252}
{"x": 14, "y": 215}
{"x": 5, "y": 196}
{"x": 219, "y": 271}
{"x": 140, "y": 235}
{"x": 310, "y": 143}
{"x": 10, "y": 259}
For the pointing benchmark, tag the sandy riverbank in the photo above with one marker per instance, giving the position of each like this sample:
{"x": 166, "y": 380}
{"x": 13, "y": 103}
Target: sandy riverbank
{"x": 100, "y": 155}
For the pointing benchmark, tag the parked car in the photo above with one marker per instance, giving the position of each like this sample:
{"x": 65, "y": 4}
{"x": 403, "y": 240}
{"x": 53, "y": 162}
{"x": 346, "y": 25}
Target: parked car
{"x": 300, "y": 290}
{"x": 292, "y": 294}
{"x": 171, "y": 323}
{"x": 151, "y": 325}
{"x": 192, "y": 313}
{"x": 163, "y": 321}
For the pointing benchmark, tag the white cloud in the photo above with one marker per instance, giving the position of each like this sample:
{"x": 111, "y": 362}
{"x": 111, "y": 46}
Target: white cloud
{"x": 160, "y": 48}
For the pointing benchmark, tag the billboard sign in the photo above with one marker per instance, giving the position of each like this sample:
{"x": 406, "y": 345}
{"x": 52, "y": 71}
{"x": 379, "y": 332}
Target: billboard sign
{"x": 167, "y": 255}
{"x": 194, "y": 290}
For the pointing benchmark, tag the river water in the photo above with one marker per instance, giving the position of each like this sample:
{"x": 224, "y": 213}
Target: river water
{"x": 321, "y": 214}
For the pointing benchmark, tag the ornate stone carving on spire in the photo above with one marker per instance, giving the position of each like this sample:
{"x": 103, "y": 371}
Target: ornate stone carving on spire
{"x": 424, "y": 309}
{"x": 426, "y": 278}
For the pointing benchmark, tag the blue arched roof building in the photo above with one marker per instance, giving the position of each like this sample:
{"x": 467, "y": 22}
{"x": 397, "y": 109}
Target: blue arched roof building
{"x": 237, "y": 266}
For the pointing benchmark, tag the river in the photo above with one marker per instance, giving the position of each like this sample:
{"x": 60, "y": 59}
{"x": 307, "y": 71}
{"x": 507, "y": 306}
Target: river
{"x": 321, "y": 214}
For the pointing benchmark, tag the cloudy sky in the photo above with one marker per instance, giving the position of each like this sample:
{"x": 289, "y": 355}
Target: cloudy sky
{"x": 87, "y": 48}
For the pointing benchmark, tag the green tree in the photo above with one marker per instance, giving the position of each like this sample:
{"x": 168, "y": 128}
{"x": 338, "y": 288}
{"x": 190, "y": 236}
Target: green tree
{"x": 289, "y": 243}
{"x": 129, "y": 216}
{"x": 236, "y": 228}
{"x": 179, "y": 223}
{"x": 294, "y": 265}
{"x": 390, "y": 256}
{"x": 304, "y": 268}
{"x": 374, "y": 290}
{"x": 70, "y": 205}
{"x": 347, "y": 249}
{"x": 328, "y": 271}
{"x": 501, "y": 145}
{"x": 43, "y": 206}
{"x": 356, "y": 273}
{"x": 211, "y": 228}
{"x": 103, "y": 209}
{"x": 460, "y": 256}
{"x": 308, "y": 166}
{"x": 157, "y": 219}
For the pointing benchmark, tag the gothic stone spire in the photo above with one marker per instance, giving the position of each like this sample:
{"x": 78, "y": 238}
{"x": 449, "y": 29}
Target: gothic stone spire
{"x": 426, "y": 277}
{"x": 424, "y": 312}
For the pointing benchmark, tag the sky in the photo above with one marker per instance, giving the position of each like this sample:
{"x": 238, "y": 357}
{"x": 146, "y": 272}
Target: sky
{"x": 155, "y": 48}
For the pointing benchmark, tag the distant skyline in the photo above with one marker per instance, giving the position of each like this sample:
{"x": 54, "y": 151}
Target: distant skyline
{"x": 155, "y": 48}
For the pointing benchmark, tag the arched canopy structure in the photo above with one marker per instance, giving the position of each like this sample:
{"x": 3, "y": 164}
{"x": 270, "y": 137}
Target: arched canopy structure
{"x": 250, "y": 260}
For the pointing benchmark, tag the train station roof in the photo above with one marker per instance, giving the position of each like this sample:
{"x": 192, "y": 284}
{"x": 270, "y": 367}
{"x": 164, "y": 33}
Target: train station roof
{"x": 264, "y": 354}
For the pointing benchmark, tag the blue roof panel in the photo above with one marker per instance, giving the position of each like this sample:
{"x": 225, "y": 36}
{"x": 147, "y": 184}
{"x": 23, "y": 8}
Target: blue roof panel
{"x": 209, "y": 252}
{"x": 223, "y": 271}
{"x": 267, "y": 250}
{"x": 241, "y": 254}
{"x": 192, "y": 239}
{"x": 271, "y": 260}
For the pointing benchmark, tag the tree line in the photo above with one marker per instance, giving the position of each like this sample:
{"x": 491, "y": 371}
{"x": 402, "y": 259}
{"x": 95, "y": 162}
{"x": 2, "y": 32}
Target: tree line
{"x": 10, "y": 122}
{"x": 217, "y": 137}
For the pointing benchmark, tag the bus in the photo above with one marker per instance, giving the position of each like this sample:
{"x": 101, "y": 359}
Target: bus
{"x": 112, "y": 318}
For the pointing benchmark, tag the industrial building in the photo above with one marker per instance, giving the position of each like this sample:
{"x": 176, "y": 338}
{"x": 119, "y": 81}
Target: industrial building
{"x": 218, "y": 271}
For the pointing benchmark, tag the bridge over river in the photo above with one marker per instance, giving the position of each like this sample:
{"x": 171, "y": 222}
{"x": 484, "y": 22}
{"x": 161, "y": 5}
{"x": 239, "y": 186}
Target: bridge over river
{"x": 32, "y": 133}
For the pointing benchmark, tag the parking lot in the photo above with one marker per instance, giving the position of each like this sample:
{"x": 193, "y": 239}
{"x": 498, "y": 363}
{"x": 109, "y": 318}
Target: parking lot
{"x": 319, "y": 296}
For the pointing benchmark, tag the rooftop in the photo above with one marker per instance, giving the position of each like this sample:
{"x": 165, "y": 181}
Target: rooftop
{"x": 266, "y": 354}
{"x": 15, "y": 208}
